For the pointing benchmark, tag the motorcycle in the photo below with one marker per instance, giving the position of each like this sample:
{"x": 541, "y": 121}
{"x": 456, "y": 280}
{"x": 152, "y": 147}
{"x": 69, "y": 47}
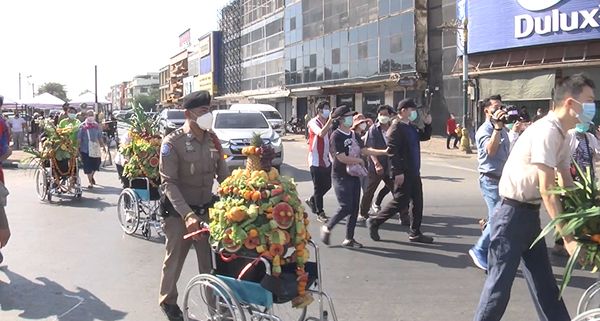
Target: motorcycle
{"x": 295, "y": 126}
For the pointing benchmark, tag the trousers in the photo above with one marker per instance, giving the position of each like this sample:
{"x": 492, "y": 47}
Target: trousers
{"x": 347, "y": 191}
{"x": 411, "y": 189}
{"x": 491, "y": 196}
{"x": 321, "y": 177}
{"x": 373, "y": 181}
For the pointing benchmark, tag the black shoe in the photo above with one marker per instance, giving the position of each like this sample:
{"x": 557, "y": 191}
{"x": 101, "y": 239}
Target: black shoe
{"x": 373, "y": 230}
{"x": 420, "y": 238}
{"x": 404, "y": 219}
{"x": 311, "y": 204}
{"x": 321, "y": 217}
{"x": 351, "y": 244}
{"x": 325, "y": 235}
{"x": 172, "y": 311}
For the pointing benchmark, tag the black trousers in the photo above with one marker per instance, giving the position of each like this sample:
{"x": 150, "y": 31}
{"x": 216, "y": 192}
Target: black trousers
{"x": 373, "y": 181}
{"x": 321, "y": 177}
{"x": 411, "y": 189}
{"x": 456, "y": 140}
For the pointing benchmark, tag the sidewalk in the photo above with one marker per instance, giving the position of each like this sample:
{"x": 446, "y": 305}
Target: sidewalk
{"x": 16, "y": 160}
{"x": 435, "y": 146}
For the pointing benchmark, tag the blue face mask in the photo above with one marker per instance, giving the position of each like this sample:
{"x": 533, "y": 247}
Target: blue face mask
{"x": 348, "y": 121}
{"x": 589, "y": 111}
{"x": 326, "y": 113}
{"x": 582, "y": 127}
{"x": 413, "y": 115}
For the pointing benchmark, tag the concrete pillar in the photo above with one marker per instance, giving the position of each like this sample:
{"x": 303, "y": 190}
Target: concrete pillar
{"x": 332, "y": 100}
{"x": 358, "y": 102}
{"x": 389, "y": 97}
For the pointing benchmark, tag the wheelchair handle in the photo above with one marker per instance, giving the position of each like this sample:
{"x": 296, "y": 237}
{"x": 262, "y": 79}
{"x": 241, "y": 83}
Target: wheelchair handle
{"x": 204, "y": 229}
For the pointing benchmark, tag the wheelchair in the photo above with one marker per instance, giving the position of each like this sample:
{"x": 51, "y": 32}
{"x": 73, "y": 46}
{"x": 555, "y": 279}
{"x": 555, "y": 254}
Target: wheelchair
{"x": 138, "y": 206}
{"x": 242, "y": 289}
{"x": 53, "y": 178}
{"x": 588, "y": 308}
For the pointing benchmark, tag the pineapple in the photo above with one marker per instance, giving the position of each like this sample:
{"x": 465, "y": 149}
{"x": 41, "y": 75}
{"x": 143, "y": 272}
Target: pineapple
{"x": 253, "y": 160}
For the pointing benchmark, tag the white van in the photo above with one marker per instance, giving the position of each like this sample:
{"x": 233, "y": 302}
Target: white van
{"x": 271, "y": 113}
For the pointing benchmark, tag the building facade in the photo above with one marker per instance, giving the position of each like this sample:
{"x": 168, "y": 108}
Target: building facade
{"x": 204, "y": 65}
{"x": 164, "y": 82}
{"x": 118, "y": 95}
{"x": 178, "y": 71}
{"x": 142, "y": 85}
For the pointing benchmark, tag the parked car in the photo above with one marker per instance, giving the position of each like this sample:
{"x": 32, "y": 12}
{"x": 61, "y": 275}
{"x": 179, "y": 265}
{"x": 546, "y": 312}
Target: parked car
{"x": 169, "y": 120}
{"x": 122, "y": 114}
{"x": 271, "y": 113}
{"x": 235, "y": 129}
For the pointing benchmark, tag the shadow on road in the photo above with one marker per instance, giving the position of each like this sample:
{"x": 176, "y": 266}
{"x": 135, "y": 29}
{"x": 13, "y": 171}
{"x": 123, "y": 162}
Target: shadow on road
{"x": 105, "y": 190}
{"x": 43, "y": 298}
{"x": 87, "y": 201}
{"x": 299, "y": 175}
{"x": 447, "y": 261}
{"x": 442, "y": 178}
{"x": 441, "y": 226}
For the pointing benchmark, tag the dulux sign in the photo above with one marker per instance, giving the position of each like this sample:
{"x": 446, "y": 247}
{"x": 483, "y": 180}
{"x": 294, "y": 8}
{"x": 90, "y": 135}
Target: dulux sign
{"x": 503, "y": 24}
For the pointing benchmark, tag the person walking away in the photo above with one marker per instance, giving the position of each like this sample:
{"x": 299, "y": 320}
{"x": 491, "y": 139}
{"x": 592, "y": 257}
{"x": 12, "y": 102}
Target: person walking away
{"x": 378, "y": 166}
{"x": 529, "y": 176}
{"x": 404, "y": 142}
{"x": 17, "y": 126}
{"x": 90, "y": 141}
{"x": 35, "y": 130}
{"x": 348, "y": 166}
{"x": 191, "y": 158}
{"x": 319, "y": 162}
{"x": 451, "y": 132}
{"x": 493, "y": 147}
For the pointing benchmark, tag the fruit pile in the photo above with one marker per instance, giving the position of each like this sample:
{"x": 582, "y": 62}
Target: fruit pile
{"x": 260, "y": 214}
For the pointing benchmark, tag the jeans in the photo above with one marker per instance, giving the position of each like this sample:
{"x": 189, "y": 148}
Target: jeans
{"x": 491, "y": 196}
{"x": 321, "y": 177}
{"x": 513, "y": 230}
{"x": 347, "y": 191}
{"x": 412, "y": 189}
{"x": 373, "y": 182}
{"x": 456, "y": 140}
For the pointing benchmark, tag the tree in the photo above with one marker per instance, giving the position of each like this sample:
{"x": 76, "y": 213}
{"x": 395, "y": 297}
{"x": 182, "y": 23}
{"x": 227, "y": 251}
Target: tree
{"x": 85, "y": 92}
{"x": 147, "y": 101}
{"x": 55, "y": 89}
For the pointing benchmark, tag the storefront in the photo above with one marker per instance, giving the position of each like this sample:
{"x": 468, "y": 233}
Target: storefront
{"x": 345, "y": 99}
{"x": 372, "y": 101}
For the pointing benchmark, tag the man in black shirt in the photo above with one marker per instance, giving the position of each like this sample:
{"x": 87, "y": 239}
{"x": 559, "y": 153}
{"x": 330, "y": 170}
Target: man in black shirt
{"x": 404, "y": 142}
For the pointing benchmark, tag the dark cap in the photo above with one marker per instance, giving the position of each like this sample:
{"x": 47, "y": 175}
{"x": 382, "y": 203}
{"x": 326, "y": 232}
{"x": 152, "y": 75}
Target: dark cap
{"x": 386, "y": 107}
{"x": 342, "y": 110}
{"x": 407, "y": 103}
{"x": 196, "y": 99}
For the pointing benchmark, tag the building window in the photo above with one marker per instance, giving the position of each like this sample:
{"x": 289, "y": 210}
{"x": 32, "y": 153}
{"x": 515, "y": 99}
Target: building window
{"x": 293, "y": 64}
{"x": 395, "y": 44}
{"x": 313, "y": 61}
{"x": 143, "y": 90}
{"x": 293, "y": 23}
{"x": 335, "y": 56}
{"x": 363, "y": 50}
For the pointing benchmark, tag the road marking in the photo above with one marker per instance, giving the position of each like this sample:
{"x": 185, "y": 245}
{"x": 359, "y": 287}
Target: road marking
{"x": 72, "y": 308}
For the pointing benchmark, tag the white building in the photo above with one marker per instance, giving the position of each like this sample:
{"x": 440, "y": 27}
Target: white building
{"x": 143, "y": 84}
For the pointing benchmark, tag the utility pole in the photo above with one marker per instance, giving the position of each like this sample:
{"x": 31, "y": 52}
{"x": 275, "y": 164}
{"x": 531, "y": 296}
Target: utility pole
{"x": 96, "y": 87}
{"x": 19, "y": 87}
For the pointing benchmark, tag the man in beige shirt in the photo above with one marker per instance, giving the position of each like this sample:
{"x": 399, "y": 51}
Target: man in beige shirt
{"x": 541, "y": 152}
{"x": 191, "y": 159}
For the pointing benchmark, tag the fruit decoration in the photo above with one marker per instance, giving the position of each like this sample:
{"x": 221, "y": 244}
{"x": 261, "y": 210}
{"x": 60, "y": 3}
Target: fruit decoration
{"x": 260, "y": 214}
{"x": 58, "y": 147}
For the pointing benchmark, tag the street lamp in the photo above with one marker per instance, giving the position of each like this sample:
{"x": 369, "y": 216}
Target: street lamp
{"x": 30, "y": 81}
{"x": 461, "y": 27}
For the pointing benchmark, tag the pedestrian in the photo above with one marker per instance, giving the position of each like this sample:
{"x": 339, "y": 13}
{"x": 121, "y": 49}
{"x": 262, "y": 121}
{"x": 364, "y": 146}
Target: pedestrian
{"x": 35, "y": 130}
{"x": 4, "y": 228}
{"x": 71, "y": 122}
{"x": 90, "y": 141}
{"x": 524, "y": 114}
{"x": 319, "y": 129}
{"x": 348, "y": 166}
{"x": 191, "y": 158}
{"x": 404, "y": 142}
{"x": 360, "y": 125}
{"x": 451, "y": 132}
{"x": 64, "y": 114}
{"x": 529, "y": 176}
{"x": 539, "y": 114}
{"x": 5, "y": 150}
{"x": 306, "y": 119}
{"x": 493, "y": 147}
{"x": 17, "y": 126}
{"x": 378, "y": 166}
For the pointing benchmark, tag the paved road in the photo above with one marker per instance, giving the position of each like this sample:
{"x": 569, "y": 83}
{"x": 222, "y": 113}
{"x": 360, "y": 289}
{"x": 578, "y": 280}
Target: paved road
{"x": 70, "y": 260}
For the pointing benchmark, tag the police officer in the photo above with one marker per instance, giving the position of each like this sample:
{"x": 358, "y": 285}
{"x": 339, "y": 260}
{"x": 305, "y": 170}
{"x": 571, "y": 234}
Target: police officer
{"x": 191, "y": 158}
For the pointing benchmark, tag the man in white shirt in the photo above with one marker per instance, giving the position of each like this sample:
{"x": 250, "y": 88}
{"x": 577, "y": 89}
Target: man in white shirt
{"x": 17, "y": 126}
{"x": 529, "y": 174}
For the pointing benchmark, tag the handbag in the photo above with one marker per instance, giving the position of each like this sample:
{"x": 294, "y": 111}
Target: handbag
{"x": 355, "y": 169}
{"x": 94, "y": 150}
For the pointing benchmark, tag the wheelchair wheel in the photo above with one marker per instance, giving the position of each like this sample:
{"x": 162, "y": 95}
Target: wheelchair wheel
{"x": 285, "y": 311}
{"x": 590, "y": 299}
{"x": 42, "y": 184}
{"x": 128, "y": 211}
{"x": 591, "y": 315}
{"x": 208, "y": 298}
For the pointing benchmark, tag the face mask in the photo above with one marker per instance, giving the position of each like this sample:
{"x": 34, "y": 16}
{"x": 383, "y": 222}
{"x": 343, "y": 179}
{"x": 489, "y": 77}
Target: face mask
{"x": 582, "y": 127}
{"x": 205, "y": 121}
{"x": 90, "y": 119}
{"x": 383, "y": 119}
{"x": 362, "y": 126}
{"x": 589, "y": 111}
{"x": 72, "y": 116}
{"x": 325, "y": 113}
{"x": 413, "y": 115}
{"x": 510, "y": 126}
{"x": 348, "y": 121}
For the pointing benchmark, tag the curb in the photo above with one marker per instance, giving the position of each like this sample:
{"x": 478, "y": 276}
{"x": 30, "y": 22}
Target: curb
{"x": 465, "y": 156}
{"x": 17, "y": 165}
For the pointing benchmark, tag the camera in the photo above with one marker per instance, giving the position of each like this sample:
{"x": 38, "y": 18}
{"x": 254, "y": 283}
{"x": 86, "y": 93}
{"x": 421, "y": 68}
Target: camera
{"x": 511, "y": 116}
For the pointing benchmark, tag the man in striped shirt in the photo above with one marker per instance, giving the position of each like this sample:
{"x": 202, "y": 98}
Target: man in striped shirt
{"x": 319, "y": 129}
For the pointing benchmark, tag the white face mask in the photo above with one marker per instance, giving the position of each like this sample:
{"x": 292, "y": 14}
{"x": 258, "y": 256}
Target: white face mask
{"x": 205, "y": 121}
{"x": 90, "y": 119}
{"x": 383, "y": 119}
{"x": 362, "y": 126}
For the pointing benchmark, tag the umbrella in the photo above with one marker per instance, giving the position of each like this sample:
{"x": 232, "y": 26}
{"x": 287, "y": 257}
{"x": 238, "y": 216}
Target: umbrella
{"x": 88, "y": 99}
{"x": 44, "y": 101}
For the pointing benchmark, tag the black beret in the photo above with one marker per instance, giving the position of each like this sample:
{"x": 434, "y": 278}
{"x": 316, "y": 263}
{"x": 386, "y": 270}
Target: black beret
{"x": 342, "y": 111}
{"x": 407, "y": 103}
{"x": 196, "y": 99}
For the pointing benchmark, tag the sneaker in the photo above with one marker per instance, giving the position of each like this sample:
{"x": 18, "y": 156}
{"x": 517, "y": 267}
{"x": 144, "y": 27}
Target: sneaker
{"x": 321, "y": 217}
{"x": 172, "y": 311}
{"x": 373, "y": 230}
{"x": 479, "y": 260}
{"x": 351, "y": 244}
{"x": 375, "y": 208}
{"x": 311, "y": 205}
{"x": 325, "y": 234}
{"x": 361, "y": 219}
{"x": 404, "y": 219}
{"x": 421, "y": 238}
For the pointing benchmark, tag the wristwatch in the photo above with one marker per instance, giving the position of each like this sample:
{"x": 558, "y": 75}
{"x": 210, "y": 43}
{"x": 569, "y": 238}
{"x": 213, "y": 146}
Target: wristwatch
{"x": 498, "y": 129}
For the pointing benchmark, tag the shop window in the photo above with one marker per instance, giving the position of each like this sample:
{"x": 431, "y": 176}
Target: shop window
{"x": 293, "y": 23}
{"x": 313, "y": 60}
{"x": 335, "y": 56}
{"x": 363, "y": 50}
{"x": 293, "y": 64}
{"x": 395, "y": 44}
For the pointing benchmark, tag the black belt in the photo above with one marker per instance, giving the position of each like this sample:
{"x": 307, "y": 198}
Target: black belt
{"x": 490, "y": 175}
{"x": 515, "y": 203}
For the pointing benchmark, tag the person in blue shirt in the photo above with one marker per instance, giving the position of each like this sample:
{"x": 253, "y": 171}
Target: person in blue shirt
{"x": 493, "y": 147}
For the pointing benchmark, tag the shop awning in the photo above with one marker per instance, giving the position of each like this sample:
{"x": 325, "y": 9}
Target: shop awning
{"x": 523, "y": 85}
{"x": 306, "y": 91}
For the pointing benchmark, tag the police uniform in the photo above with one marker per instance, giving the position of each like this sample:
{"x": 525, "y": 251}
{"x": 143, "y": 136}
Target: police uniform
{"x": 188, "y": 168}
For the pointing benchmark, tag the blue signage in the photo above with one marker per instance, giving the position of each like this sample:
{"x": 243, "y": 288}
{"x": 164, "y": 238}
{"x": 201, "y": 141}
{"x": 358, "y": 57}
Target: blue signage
{"x": 503, "y": 24}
